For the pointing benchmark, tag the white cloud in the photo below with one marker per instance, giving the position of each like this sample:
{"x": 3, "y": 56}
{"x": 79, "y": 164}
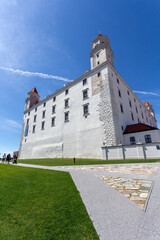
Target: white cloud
{"x": 29, "y": 74}
{"x": 12, "y": 123}
{"x": 147, "y": 93}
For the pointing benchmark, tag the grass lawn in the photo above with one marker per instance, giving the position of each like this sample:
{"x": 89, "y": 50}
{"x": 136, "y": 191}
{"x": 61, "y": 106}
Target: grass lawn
{"x": 38, "y": 204}
{"x": 69, "y": 161}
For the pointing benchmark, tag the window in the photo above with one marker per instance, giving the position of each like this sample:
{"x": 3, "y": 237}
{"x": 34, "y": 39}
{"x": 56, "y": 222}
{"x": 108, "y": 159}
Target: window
{"x": 53, "y": 122}
{"x": 43, "y": 114}
{"x": 128, "y": 92}
{"x": 136, "y": 110}
{"x": 158, "y": 147}
{"x": 148, "y": 138}
{"x": 35, "y": 117}
{"x": 130, "y": 104}
{"x": 98, "y": 63}
{"x": 122, "y": 128}
{"x": 134, "y": 99}
{"x": 35, "y": 109}
{"x": 26, "y": 131}
{"x": 119, "y": 92}
{"x": 117, "y": 80}
{"x": 97, "y": 55}
{"x": 98, "y": 74}
{"x": 140, "y": 106}
{"x": 66, "y": 103}
{"x": 34, "y": 128}
{"x": 27, "y": 121}
{"x": 54, "y": 99}
{"x": 147, "y": 119}
{"x": 132, "y": 140}
{"x": 139, "y": 120}
{"x": 53, "y": 109}
{"x": 121, "y": 107}
{"x": 85, "y": 94}
{"x": 66, "y": 92}
{"x": 44, "y": 104}
{"x": 84, "y": 81}
{"x": 43, "y": 124}
{"x": 142, "y": 115}
{"x": 132, "y": 116}
{"x": 85, "y": 110}
{"x": 28, "y": 113}
{"x": 66, "y": 117}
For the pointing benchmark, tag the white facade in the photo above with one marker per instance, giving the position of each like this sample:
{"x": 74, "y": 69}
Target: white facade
{"x": 111, "y": 107}
{"x": 140, "y": 136}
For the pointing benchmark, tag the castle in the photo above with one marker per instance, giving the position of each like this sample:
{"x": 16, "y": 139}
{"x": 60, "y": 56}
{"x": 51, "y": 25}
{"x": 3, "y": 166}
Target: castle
{"x": 94, "y": 111}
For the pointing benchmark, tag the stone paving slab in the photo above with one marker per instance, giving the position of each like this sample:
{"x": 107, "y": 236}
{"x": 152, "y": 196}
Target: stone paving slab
{"x": 144, "y": 169}
{"x": 136, "y": 190}
{"x": 113, "y": 215}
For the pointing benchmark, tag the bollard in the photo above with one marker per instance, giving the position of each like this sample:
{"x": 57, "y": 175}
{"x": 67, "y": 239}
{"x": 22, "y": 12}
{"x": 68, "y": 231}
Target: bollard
{"x": 74, "y": 160}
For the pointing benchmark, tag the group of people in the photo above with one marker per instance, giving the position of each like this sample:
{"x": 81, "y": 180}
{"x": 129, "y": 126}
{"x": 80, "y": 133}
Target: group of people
{"x": 7, "y": 158}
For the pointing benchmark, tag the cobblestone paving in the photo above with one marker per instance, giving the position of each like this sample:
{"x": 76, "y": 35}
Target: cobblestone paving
{"x": 134, "y": 189}
{"x": 130, "y": 169}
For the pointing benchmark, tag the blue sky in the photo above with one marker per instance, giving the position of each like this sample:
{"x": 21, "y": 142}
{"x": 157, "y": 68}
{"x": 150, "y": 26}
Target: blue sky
{"x": 54, "y": 37}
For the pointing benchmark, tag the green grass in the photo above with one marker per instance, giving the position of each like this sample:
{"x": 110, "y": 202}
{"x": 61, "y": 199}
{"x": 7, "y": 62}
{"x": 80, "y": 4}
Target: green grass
{"x": 38, "y": 204}
{"x": 69, "y": 161}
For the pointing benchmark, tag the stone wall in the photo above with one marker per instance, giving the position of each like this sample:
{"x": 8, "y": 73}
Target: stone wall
{"x": 138, "y": 151}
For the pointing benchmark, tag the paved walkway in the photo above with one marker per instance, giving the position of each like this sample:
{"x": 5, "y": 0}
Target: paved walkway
{"x": 114, "y": 214}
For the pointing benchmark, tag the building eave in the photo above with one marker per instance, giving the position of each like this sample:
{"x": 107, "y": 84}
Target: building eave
{"x": 67, "y": 86}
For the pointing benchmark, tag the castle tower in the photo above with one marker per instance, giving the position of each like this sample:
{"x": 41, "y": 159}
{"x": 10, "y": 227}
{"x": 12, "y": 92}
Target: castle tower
{"x": 149, "y": 108}
{"x": 101, "y": 51}
{"x": 32, "y": 99}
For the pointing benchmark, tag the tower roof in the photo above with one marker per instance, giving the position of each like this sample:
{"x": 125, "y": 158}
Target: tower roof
{"x": 147, "y": 104}
{"x": 101, "y": 36}
{"x": 34, "y": 90}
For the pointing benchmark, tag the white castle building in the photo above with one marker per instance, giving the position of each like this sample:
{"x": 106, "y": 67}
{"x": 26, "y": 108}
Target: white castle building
{"x": 94, "y": 112}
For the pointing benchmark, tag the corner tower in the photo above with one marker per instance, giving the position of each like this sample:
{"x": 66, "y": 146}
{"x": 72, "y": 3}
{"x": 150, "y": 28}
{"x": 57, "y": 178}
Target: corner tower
{"x": 101, "y": 51}
{"x": 32, "y": 99}
{"x": 149, "y": 108}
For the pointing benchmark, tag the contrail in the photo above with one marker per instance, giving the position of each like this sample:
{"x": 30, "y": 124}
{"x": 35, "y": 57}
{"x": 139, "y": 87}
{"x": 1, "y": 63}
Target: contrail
{"x": 147, "y": 93}
{"x": 41, "y": 75}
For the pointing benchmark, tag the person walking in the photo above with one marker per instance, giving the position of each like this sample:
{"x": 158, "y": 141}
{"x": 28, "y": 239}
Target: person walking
{"x": 4, "y": 158}
{"x": 15, "y": 159}
{"x": 8, "y": 158}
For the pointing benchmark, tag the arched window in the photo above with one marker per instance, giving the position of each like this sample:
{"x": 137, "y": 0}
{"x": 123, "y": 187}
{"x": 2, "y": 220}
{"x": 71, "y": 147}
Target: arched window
{"x": 132, "y": 140}
{"x": 148, "y": 138}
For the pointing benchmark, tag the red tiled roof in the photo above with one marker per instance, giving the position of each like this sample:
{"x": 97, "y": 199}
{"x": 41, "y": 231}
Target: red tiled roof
{"x": 147, "y": 104}
{"x": 100, "y": 34}
{"x": 139, "y": 127}
{"x": 34, "y": 90}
